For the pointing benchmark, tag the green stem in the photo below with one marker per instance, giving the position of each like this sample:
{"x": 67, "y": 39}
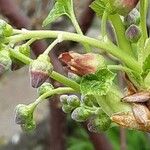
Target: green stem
{"x": 52, "y": 45}
{"x": 60, "y": 90}
{"x": 119, "y": 67}
{"x": 143, "y": 13}
{"x": 104, "y": 23}
{"x": 78, "y": 29}
{"x": 56, "y": 76}
{"x": 107, "y": 46}
{"x": 123, "y": 43}
{"x": 30, "y": 41}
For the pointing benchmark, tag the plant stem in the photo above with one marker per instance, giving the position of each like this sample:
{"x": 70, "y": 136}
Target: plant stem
{"x": 56, "y": 76}
{"x": 103, "y": 24}
{"x": 30, "y": 41}
{"x": 119, "y": 67}
{"x": 52, "y": 45}
{"x": 60, "y": 90}
{"x": 143, "y": 13}
{"x": 78, "y": 29}
{"x": 107, "y": 46}
{"x": 62, "y": 79}
{"x": 123, "y": 43}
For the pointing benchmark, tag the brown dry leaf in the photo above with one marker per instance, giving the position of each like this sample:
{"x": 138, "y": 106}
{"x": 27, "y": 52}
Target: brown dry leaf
{"x": 127, "y": 120}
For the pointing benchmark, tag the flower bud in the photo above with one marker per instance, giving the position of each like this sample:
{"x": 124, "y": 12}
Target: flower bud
{"x": 73, "y": 101}
{"x": 133, "y": 33}
{"x": 5, "y": 61}
{"x": 99, "y": 123}
{"x": 44, "y": 88}
{"x": 23, "y": 114}
{"x": 67, "y": 108}
{"x": 6, "y": 30}
{"x": 123, "y": 7}
{"x": 89, "y": 100}
{"x": 40, "y": 70}
{"x": 63, "y": 99}
{"x": 23, "y": 49}
{"x": 80, "y": 114}
{"x": 132, "y": 18}
{"x": 29, "y": 126}
{"x": 83, "y": 64}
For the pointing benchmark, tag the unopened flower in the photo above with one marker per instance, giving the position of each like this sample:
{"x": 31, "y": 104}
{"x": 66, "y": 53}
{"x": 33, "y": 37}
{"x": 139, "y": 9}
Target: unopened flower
{"x": 132, "y": 18}
{"x": 99, "y": 123}
{"x": 83, "y": 64}
{"x": 123, "y": 7}
{"x": 45, "y": 87}
{"x": 133, "y": 33}
{"x": 40, "y": 70}
{"x": 73, "y": 101}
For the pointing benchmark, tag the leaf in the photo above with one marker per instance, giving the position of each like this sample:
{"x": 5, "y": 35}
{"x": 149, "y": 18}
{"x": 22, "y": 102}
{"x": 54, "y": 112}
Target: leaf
{"x": 61, "y": 7}
{"x": 99, "y": 6}
{"x": 146, "y": 65}
{"x": 97, "y": 84}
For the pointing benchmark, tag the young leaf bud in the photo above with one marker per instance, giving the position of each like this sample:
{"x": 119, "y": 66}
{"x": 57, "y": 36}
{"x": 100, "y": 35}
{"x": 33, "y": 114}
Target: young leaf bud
{"x": 73, "y": 101}
{"x": 80, "y": 114}
{"x": 141, "y": 113}
{"x": 45, "y": 87}
{"x": 67, "y": 108}
{"x": 23, "y": 114}
{"x": 63, "y": 99}
{"x": 74, "y": 77}
{"x": 83, "y": 64}
{"x": 40, "y": 70}
{"x": 6, "y": 30}
{"x": 132, "y": 18}
{"x": 5, "y": 61}
{"x": 137, "y": 97}
{"x": 89, "y": 100}
{"x": 99, "y": 123}
{"x": 133, "y": 33}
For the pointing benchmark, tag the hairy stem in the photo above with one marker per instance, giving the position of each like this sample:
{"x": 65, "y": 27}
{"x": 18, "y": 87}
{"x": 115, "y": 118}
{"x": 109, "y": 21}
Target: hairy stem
{"x": 107, "y": 45}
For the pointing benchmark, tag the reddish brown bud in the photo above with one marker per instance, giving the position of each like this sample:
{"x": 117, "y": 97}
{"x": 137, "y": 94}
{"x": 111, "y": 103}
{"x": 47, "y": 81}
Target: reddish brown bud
{"x": 83, "y": 64}
{"x": 141, "y": 113}
{"x": 137, "y": 97}
{"x": 148, "y": 104}
{"x": 127, "y": 120}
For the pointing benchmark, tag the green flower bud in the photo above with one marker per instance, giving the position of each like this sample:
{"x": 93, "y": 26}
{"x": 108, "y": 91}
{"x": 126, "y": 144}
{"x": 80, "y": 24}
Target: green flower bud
{"x": 23, "y": 49}
{"x": 73, "y": 101}
{"x": 74, "y": 77}
{"x": 80, "y": 114}
{"x": 99, "y": 123}
{"x": 132, "y": 18}
{"x": 66, "y": 108}
{"x": 89, "y": 100}
{"x": 29, "y": 126}
{"x": 5, "y": 61}
{"x": 6, "y": 30}
{"x": 40, "y": 70}
{"x": 45, "y": 87}
{"x": 23, "y": 114}
{"x": 63, "y": 99}
{"x": 133, "y": 33}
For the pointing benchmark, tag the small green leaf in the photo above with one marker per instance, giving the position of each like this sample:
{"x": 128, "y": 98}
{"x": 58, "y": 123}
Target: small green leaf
{"x": 61, "y": 7}
{"x": 99, "y": 6}
{"x": 97, "y": 84}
